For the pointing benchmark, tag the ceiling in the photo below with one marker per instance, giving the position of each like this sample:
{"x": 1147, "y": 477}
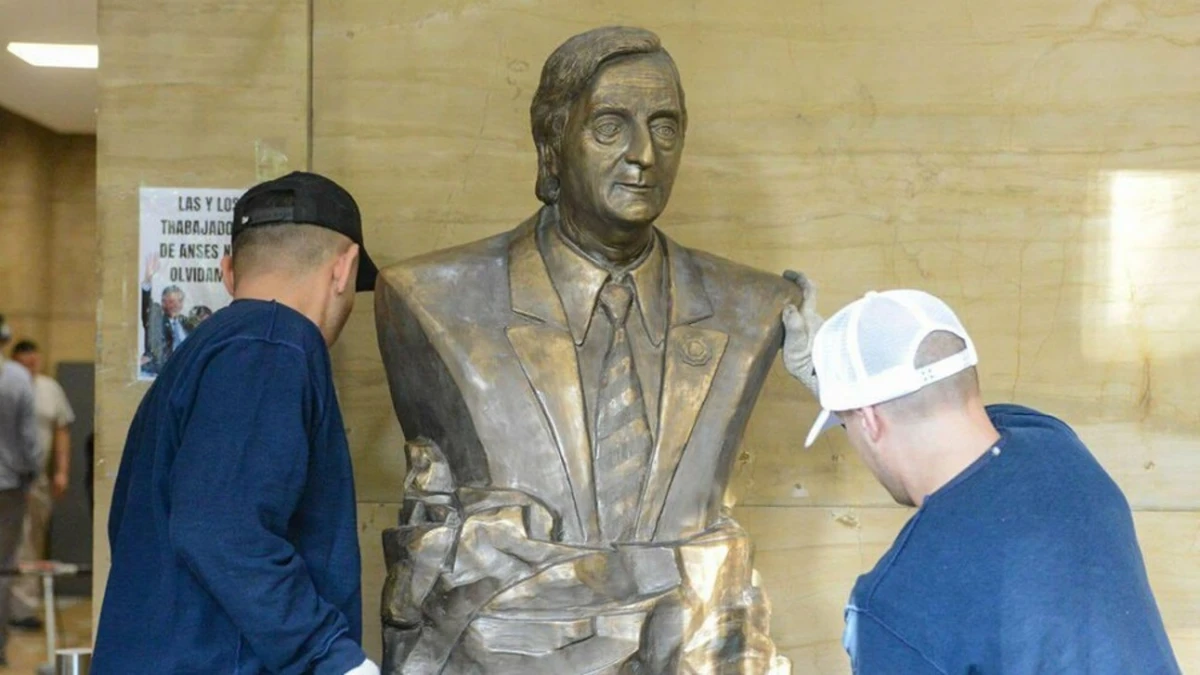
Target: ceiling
{"x": 61, "y": 99}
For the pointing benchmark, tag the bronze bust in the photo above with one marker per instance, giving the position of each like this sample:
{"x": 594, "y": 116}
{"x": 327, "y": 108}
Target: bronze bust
{"x": 574, "y": 392}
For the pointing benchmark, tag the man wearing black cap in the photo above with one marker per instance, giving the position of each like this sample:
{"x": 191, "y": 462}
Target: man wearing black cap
{"x": 233, "y": 525}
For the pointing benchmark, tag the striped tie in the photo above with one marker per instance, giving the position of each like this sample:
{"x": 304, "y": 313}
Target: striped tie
{"x": 623, "y": 440}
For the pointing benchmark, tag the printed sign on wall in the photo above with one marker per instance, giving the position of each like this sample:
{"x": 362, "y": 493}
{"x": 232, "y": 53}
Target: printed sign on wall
{"x": 184, "y": 235}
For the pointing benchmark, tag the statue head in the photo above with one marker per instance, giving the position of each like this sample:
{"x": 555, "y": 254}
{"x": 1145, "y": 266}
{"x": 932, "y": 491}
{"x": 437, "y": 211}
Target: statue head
{"x": 608, "y": 122}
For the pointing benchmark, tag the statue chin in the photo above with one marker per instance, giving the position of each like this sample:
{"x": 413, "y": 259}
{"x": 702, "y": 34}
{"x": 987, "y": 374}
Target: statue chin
{"x": 635, "y": 211}
{"x": 620, "y": 222}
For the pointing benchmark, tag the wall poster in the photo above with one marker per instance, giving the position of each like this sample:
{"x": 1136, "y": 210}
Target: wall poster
{"x": 184, "y": 235}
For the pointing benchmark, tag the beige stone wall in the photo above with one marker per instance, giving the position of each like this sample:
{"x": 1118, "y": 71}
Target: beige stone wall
{"x": 25, "y": 180}
{"x": 1037, "y": 164}
{"x": 74, "y": 272}
{"x": 47, "y": 238}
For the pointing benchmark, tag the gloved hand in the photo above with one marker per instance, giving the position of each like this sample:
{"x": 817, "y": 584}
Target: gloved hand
{"x": 800, "y": 329}
{"x": 366, "y": 668}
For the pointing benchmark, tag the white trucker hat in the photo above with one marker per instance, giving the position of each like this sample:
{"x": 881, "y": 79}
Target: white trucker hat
{"x": 864, "y": 354}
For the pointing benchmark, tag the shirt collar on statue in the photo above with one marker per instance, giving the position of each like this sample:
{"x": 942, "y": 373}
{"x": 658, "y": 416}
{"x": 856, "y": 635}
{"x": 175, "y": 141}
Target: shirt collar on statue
{"x": 578, "y": 281}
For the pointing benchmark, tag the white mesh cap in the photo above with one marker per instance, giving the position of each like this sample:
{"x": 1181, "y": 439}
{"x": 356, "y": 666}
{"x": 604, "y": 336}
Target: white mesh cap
{"x": 864, "y": 354}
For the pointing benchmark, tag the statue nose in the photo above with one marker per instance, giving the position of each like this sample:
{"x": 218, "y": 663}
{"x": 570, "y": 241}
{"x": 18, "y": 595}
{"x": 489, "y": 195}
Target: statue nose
{"x": 641, "y": 148}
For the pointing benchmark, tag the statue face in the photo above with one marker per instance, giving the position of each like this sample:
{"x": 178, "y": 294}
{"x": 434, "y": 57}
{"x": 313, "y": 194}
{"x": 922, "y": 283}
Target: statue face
{"x": 622, "y": 145}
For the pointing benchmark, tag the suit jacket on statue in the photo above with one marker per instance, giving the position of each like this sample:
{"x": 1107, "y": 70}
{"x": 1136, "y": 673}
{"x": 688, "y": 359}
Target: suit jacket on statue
{"x": 498, "y": 565}
{"x": 481, "y": 362}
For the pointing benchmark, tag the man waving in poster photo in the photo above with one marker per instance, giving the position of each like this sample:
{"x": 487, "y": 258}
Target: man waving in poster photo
{"x": 163, "y": 324}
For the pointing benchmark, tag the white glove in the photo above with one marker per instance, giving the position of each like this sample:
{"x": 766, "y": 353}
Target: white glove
{"x": 800, "y": 329}
{"x": 366, "y": 668}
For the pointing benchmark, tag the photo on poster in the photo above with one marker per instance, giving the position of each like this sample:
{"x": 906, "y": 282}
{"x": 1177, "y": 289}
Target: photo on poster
{"x": 184, "y": 235}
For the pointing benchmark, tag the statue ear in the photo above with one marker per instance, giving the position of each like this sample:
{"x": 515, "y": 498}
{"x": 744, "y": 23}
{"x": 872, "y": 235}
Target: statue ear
{"x": 548, "y": 157}
{"x": 547, "y": 171}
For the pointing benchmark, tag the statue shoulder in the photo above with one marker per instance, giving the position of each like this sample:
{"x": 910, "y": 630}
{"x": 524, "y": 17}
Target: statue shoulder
{"x": 740, "y": 284}
{"x": 448, "y": 267}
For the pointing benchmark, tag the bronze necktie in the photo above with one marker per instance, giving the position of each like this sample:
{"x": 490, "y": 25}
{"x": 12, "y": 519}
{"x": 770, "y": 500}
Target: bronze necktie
{"x": 623, "y": 439}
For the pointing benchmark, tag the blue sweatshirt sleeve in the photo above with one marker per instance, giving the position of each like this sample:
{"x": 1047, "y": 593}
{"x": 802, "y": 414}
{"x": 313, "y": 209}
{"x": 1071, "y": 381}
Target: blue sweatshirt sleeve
{"x": 235, "y": 485}
{"x": 875, "y": 648}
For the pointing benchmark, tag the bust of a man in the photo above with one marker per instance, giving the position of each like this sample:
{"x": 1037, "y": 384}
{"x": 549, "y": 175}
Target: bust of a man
{"x": 574, "y": 392}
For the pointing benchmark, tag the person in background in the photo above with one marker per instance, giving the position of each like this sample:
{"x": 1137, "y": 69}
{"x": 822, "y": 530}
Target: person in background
{"x": 1022, "y": 555}
{"x": 20, "y": 462}
{"x": 54, "y": 417}
{"x": 197, "y": 316}
{"x": 233, "y": 525}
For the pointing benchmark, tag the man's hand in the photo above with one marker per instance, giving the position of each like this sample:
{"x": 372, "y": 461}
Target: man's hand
{"x": 152, "y": 267}
{"x": 800, "y": 329}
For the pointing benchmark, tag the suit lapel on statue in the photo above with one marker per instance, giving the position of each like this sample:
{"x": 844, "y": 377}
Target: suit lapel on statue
{"x": 547, "y": 356}
{"x": 690, "y": 362}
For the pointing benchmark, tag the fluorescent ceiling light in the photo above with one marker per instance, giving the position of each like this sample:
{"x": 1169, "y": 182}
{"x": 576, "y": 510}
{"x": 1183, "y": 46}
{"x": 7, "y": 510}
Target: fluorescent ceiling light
{"x": 56, "y": 56}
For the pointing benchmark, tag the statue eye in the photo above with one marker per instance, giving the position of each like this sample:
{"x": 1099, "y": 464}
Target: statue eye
{"x": 607, "y": 128}
{"x": 666, "y": 130}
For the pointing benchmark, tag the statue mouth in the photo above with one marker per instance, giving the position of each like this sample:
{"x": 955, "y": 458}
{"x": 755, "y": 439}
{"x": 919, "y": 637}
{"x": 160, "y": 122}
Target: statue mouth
{"x": 640, "y": 188}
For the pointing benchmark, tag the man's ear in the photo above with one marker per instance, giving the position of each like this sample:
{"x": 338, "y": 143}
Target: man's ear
{"x": 873, "y": 423}
{"x": 344, "y": 270}
{"x": 227, "y": 274}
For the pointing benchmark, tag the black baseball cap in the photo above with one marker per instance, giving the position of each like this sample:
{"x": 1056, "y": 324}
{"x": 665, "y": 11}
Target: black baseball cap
{"x": 307, "y": 199}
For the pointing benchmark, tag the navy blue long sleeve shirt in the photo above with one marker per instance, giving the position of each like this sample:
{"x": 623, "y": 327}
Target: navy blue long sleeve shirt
{"x": 1026, "y": 562}
{"x": 233, "y": 525}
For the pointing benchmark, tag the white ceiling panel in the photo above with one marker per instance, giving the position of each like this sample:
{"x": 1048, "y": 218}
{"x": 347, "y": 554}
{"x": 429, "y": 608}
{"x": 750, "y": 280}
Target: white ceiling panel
{"x": 62, "y": 99}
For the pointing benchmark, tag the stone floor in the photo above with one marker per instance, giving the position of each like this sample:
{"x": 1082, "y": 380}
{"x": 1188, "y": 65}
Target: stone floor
{"x": 27, "y": 650}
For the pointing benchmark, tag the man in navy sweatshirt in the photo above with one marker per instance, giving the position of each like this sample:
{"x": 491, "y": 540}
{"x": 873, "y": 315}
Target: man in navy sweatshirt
{"x": 1021, "y": 556}
{"x": 233, "y": 526}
